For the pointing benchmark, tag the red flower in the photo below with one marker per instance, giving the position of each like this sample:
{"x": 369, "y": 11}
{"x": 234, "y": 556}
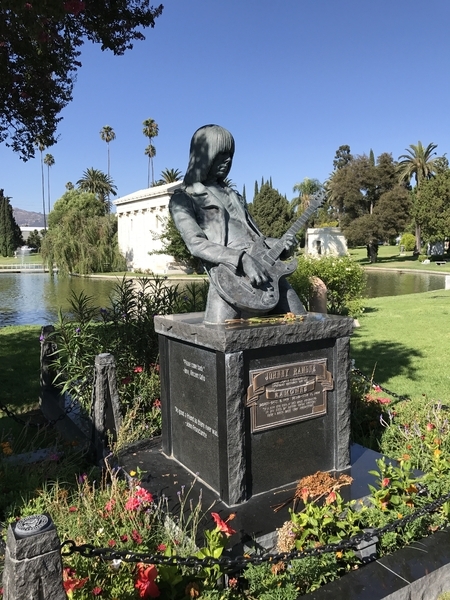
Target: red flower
{"x": 385, "y": 482}
{"x": 73, "y": 509}
{"x": 223, "y": 525}
{"x": 430, "y": 426}
{"x": 111, "y": 543}
{"x": 110, "y": 505}
{"x": 143, "y": 495}
{"x": 157, "y": 403}
{"x": 377, "y": 388}
{"x": 132, "y": 503}
{"x": 70, "y": 583}
{"x": 161, "y": 548}
{"x": 138, "y": 370}
{"x": 124, "y": 538}
{"x": 137, "y": 537}
{"x": 145, "y": 582}
{"x": 97, "y": 591}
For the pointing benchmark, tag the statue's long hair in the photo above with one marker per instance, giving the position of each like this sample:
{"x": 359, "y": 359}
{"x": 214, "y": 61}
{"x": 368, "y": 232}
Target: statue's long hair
{"x": 206, "y": 144}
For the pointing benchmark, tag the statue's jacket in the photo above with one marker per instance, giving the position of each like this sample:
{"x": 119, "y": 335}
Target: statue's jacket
{"x": 201, "y": 220}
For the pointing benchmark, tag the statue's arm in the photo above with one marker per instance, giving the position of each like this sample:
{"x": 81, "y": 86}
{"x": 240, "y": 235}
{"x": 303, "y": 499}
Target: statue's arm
{"x": 183, "y": 214}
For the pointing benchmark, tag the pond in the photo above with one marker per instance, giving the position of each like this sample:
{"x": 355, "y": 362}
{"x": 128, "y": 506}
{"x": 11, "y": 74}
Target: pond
{"x": 35, "y": 298}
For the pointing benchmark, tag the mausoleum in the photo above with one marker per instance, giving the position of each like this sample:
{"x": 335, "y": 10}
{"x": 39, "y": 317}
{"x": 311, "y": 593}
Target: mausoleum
{"x": 141, "y": 218}
{"x": 322, "y": 241}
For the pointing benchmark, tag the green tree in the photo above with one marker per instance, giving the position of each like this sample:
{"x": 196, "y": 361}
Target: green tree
{"x": 49, "y": 161}
{"x": 170, "y": 176}
{"x": 173, "y": 245}
{"x": 417, "y": 163}
{"x": 81, "y": 238}
{"x": 39, "y": 58}
{"x": 306, "y": 188}
{"x": 10, "y": 234}
{"x": 432, "y": 207}
{"x": 342, "y": 157}
{"x": 34, "y": 240}
{"x": 271, "y": 211}
{"x": 150, "y": 131}
{"x": 108, "y": 135}
{"x": 38, "y": 142}
{"x": 369, "y": 201}
{"x": 98, "y": 183}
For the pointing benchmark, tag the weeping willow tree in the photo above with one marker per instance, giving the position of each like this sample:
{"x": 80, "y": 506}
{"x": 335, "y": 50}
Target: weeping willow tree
{"x": 81, "y": 238}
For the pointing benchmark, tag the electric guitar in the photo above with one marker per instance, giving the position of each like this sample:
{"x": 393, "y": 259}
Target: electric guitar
{"x": 237, "y": 289}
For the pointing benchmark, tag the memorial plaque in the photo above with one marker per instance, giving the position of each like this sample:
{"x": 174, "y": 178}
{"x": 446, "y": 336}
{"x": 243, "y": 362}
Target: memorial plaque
{"x": 288, "y": 393}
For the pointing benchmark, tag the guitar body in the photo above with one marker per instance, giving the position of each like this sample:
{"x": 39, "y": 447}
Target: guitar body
{"x": 236, "y": 288}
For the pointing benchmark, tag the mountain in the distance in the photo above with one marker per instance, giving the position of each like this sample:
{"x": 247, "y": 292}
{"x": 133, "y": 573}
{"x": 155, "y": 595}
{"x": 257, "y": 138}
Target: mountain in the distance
{"x": 26, "y": 218}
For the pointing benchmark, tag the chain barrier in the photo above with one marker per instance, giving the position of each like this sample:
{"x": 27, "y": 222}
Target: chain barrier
{"x": 240, "y": 562}
{"x": 375, "y": 384}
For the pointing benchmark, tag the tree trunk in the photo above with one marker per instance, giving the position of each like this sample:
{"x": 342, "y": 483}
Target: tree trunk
{"x": 418, "y": 240}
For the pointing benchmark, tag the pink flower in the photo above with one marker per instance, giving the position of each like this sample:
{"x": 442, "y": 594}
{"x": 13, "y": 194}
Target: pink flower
{"x": 97, "y": 591}
{"x": 430, "y": 427}
{"x": 377, "y": 388}
{"x": 157, "y": 403}
{"x": 161, "y": 548}
{"x": 223, "y": 525}
{"x": 111, "y": 543}
{"x": 143, "y": 495}
{"x": 73, "y": 509}
{"x": 330, "y": 498}
{"x": 385, "y": 482}
{"x": 132, "y": 503}
{"x": 138, "y": 370}
{"x": 109, "y": 506}
{"x": 384, "y": 400}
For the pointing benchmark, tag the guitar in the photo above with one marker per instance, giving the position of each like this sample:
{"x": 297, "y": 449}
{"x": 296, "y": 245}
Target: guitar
{"x": 237, "y": 289}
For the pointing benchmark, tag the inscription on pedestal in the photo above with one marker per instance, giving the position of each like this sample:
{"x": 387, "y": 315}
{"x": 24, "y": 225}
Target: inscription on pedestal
{"x": 288, "y": 393}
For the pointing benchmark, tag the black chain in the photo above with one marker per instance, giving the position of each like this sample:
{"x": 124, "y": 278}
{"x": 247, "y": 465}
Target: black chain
{"x": 240, "y": 562}
{"x": 375, "y": 384}
{"x": 15, "y": 418}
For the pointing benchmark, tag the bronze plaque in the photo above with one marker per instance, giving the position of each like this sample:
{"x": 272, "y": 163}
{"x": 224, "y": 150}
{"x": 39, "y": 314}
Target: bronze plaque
{"x": 288, "y": 393}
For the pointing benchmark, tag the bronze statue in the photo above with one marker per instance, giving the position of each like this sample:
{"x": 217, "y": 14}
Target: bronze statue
{"x": 247, "y": 277}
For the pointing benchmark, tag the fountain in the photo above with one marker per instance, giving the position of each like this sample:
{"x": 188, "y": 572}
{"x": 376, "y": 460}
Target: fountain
{"x": 23, "y": 252}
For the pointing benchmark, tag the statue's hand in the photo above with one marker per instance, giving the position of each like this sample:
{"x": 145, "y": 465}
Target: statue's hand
{"x": 290, "y": 241}
{"x": 254, "y": 270}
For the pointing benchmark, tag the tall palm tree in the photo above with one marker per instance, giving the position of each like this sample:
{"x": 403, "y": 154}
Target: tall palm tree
{"x": 418, "y": 163}
{"x": 98, "y": 183}
{"x": 306, "y": 188}
{"x": 108, "y": 135}
{"x": 150, "y": 130}
{"x": 151, "y": 153}
{"x": 49, "y": 161}
{"x": 170, "y": 175}
{"x": 41, "y": 148}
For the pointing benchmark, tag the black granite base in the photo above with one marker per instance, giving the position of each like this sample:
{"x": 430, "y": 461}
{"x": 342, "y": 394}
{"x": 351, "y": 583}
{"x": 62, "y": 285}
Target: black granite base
{"x": 256, "y": 520}
{"x": 250, "y": 408}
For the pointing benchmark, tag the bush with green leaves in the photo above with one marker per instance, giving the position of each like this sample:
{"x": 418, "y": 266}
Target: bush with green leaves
{"x": 344, "y": 279}
{"x": 408, "y": 240}
{"x": 125, "y": 329}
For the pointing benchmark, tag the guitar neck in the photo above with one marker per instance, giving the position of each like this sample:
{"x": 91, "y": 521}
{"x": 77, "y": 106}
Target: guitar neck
{"x": 277, "y": 250}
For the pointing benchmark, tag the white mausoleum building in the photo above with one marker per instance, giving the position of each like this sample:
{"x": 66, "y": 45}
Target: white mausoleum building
{"x": 322, "y": 241}
{"x": 141, "y": 218}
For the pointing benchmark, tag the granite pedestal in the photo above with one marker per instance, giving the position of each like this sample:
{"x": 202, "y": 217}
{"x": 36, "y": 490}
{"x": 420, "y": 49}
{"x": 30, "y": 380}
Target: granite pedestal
{"x": 250, "y": 408}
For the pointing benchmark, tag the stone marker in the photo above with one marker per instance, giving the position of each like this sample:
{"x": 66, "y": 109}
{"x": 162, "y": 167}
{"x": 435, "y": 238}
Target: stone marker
{"x": 33, "y": 566}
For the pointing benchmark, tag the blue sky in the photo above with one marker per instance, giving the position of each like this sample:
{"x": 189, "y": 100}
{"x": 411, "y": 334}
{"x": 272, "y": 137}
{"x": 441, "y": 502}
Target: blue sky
{"x": 292, "y": 81}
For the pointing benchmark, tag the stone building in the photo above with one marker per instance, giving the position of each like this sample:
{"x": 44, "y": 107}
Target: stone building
{"x": 140, "y": 218}
{"x": 321, "y": 241}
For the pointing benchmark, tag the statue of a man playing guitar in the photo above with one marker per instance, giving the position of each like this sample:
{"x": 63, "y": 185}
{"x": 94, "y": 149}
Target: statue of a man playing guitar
{"x": 247, "y": 272}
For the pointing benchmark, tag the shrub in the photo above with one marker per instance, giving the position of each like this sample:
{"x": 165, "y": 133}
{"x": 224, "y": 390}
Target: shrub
{"x": 409, "y": 241}
{"x": 344, "y": 279}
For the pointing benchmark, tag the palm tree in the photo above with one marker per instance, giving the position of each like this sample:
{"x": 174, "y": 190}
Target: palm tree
{"x": 151, "y": 153}
{"x": 107, "y": 134}
{"x": 306, "y": 188}
{"x": 98, "y": 183}
{"x": 418, "y": 164}
{"x": 41, "y": 147}
{"x": 170, "y": 175}
{"x": 49, "y": 161}
{"x": 150, "y": 130}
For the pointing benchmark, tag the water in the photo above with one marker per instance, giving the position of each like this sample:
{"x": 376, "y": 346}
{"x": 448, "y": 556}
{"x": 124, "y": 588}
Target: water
{"x": 390, "y": 283}
{"x": 34, "y": 298}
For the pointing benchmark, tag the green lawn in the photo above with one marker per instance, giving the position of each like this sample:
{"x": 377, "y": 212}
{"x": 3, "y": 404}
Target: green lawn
{"x": 10, "y": 260}
{"x": 403, "y": 341}
{"x": 389, "y": 257}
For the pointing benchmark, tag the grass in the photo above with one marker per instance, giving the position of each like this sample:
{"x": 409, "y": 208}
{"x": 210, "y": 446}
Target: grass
{"x": 403, "y": 341}
{"x": 11, "y": 260}
{"x": 389, "y": 258}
